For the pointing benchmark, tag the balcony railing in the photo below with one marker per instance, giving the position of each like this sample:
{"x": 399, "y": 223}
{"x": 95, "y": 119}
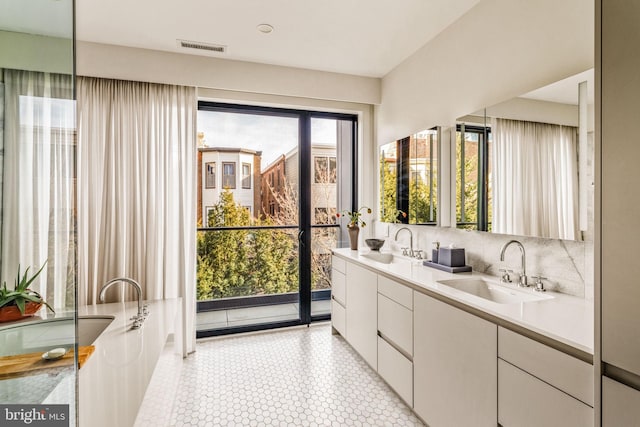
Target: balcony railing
{"x": 248, "y": 266}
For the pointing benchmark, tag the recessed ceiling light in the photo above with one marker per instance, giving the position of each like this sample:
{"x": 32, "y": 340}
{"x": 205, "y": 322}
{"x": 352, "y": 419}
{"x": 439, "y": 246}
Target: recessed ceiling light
{"x": 265, "y": 28}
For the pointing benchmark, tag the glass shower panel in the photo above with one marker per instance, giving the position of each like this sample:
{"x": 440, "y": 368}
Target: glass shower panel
{"x": 37, "y": 198}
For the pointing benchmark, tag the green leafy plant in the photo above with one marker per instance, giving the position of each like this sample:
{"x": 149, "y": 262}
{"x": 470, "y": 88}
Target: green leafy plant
{"x": 21, "y": 294}
{"x": 355, "y": 216}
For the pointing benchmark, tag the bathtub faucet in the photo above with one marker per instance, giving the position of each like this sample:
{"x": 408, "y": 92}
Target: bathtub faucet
{"x": 142, "y": 310}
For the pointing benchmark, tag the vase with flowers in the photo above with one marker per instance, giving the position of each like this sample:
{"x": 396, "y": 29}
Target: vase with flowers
{"x": 355, "y": 222}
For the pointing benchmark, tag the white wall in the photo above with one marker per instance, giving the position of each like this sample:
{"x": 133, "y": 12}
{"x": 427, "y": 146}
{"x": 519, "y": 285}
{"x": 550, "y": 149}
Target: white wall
{"x": 126, "y": 63}
{"x": 498, "y": 50}
{"x": 21, "y": 51}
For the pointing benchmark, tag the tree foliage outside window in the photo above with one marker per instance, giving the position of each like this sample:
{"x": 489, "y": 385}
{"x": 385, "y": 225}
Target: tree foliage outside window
{"x": 244, "y": 262}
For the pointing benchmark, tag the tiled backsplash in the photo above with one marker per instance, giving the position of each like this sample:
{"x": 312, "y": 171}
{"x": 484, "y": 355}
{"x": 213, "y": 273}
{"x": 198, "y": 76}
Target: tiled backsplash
{"x": 567, "y": 265}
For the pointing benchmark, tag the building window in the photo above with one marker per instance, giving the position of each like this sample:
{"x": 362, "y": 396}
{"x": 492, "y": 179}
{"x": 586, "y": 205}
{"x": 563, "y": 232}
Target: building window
{"x": 228, "y": 175}
{"x": 246, "y": 175}
{"x": 210, "y": 175}
{"x": 207, "y": 220}
{"x": 325, "y": 170}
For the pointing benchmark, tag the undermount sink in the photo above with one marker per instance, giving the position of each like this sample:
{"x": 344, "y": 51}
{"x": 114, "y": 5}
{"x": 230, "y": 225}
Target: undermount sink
{"x": 385, "y": 258}
{"x": 90, "y": 328}
{"x": 43, "y": 335}
{"x": 492, "y": 292}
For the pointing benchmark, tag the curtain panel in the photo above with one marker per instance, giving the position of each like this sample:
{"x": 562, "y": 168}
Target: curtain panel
{"x": 38, "y": 197}
{"x": 535, "y": 179}
{"x": 137, "y": 191}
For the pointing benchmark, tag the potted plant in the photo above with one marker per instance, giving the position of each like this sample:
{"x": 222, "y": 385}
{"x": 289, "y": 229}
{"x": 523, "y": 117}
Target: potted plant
{"x": 21, "y": 301}
{"x": 355, "y": 222}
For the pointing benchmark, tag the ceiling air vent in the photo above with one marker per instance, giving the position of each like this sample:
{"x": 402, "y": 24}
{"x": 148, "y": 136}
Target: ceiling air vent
{"x": 202, "y": 46}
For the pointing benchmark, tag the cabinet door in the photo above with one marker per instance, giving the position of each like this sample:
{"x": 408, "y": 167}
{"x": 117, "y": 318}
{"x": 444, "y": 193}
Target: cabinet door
{"x": 454, "y": 362}
{"x": 525, "y": 401}
{"x": 396, "y": 370}
{"x": 338, "y": 318}
{"x": 619, "y": 173}
{"x": 620, "y": 404}
{"x": 362, "y": 316}
{"x": 395, "y": 323}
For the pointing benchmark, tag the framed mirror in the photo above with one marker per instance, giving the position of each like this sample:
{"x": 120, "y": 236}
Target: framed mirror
{"x": 409, "y": 179}
{"x": 525, "y": 166}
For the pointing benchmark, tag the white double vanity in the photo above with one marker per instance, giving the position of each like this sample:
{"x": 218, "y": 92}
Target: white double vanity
{"x": 460, "y": 357}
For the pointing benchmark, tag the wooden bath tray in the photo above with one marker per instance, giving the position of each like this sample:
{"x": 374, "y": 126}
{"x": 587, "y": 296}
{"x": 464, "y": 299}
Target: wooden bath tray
{"x": 22, "y": 365}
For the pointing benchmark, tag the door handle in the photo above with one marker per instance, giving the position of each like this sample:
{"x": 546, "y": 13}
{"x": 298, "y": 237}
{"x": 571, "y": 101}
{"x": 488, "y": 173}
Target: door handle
{"x": 300, "y": 234}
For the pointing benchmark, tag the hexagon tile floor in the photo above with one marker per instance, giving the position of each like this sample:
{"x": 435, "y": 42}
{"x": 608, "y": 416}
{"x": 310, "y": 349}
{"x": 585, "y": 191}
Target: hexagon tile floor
{"x": 293, "y": 377}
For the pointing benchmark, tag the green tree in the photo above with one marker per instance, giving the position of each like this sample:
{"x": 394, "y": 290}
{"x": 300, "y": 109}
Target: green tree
{"x": 274, "y": 261}
{"x": 420, "y": 202}
{"x": 470, "y": 185}
{"x": 388, "y": 177}
{"x": 223, "y": 262}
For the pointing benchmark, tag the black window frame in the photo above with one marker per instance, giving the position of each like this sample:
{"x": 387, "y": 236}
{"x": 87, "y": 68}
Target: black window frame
{"x": 483, "y": 221}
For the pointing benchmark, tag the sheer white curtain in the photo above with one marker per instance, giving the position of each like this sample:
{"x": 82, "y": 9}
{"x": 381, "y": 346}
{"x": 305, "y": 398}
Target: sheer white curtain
{"x": 137, "y": 190}
{"x": 38, "y": 188}
{"x": 535, "y": 179}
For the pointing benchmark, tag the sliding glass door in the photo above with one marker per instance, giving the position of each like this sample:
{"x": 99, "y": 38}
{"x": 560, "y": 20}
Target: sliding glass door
{"x": 270, "y": 184}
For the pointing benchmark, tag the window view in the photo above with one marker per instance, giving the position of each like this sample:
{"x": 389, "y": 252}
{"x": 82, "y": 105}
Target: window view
{"x": 408, "y": 179}
{"x": 250, "y": 262}
{"x": 246, "y": 175}
{"x": 210, "y": 175}
{"x": 228, "y": 175}
{"x": 473, "y": 183}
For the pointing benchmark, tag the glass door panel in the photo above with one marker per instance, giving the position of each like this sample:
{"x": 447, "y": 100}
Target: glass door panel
{"x": 248, "y": 213}
{"x": 331, "y": 148}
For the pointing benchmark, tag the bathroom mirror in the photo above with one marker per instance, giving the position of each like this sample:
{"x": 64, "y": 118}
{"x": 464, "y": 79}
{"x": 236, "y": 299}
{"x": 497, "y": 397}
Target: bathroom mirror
{"x": 525, "y": 166}
{"x": 409, "y": 179}
{"x": 37, "y": 188}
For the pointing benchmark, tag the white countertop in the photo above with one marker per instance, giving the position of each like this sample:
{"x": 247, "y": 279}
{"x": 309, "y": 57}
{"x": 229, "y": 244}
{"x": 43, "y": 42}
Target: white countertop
{"x": 112, "y": 383}
{"x": 563, "y": 318}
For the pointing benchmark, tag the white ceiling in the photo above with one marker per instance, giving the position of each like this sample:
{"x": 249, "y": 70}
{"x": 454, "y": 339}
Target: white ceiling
{"x": 565, "y": 91}
{"x": 43, "y": 17}
{"x": 361, "y": 37}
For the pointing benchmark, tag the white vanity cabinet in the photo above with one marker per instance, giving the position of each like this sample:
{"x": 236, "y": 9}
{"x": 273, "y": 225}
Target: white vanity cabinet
{"x": 541, "y": 386}
{"x": 454, "y": 362}
{"x": 339, "y": 295}
{"x": 395, "y": 336}
{"x": 361, "y": 313}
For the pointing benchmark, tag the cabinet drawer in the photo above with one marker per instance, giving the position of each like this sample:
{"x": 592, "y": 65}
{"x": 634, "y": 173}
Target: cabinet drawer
{"x": 395, "y": 322}
{"x": 338, "y": 264}
{"x": 339, "y": 318}
{"x": 399, "y": 293}
{"x": 338, "y": 286}
{"x": 620, "y": 404}
{"x": 525, "y": 401}
{"x": 396, "y": 370}
{"x": 565, "y": 372}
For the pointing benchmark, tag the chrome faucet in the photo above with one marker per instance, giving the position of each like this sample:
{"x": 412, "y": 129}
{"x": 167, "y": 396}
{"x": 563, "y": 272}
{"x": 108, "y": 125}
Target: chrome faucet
{"x": 410, "y": 239}
{"x": 522, "y": 281}
{"x": 142, "y": 310}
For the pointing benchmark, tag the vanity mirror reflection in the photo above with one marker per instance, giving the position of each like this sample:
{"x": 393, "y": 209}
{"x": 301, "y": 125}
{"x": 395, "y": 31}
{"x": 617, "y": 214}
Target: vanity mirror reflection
{"x": 409, "y": 179}
{"x": 522, "y": 167}
{"x": 525, "y": 166}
